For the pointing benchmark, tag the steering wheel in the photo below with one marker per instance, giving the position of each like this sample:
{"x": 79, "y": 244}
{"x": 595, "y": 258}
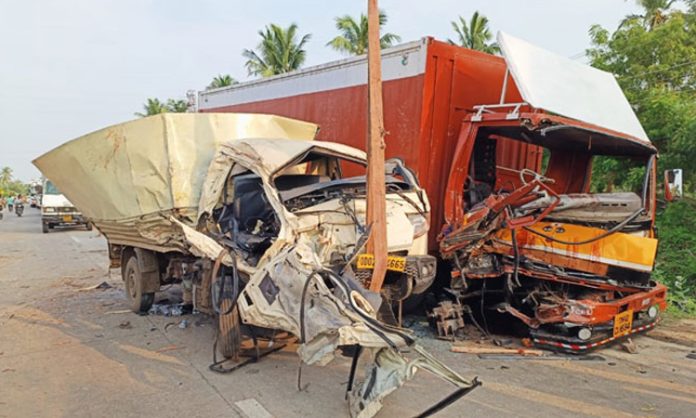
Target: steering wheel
{"x": 536, "y": 176}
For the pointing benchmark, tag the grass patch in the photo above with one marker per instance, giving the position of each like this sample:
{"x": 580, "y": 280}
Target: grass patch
{"x": 676, "y": 257}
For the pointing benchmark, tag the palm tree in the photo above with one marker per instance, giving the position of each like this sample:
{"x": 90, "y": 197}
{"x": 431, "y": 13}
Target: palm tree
{"x": 475, "y": 34}
{"x": 353, "y": 37}
{"x": 5, "y": 175}
{"x": 278, "y": 52}
{"x": 222, "y": 80}
{"x": 656, "y": 13}
{"x": 177, "y": 106}
{"x": 152, "y": 107}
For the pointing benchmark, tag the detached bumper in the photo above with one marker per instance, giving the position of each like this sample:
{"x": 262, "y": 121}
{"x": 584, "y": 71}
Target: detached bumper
{"x": 590, "y": 324}
{"x": 601, "y": 336}
{"x": 63, "y": 220}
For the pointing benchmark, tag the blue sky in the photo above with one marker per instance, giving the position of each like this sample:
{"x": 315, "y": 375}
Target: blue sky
{"x": 73, "y": 66}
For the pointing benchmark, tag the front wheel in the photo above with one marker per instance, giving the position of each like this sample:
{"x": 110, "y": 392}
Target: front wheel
{"x": 44, "y": 228}
{"x": 140, "y": 302}
{"x": 88, "y": 225}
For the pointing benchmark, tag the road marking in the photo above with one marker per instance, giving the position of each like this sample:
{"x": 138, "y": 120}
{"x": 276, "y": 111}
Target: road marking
{"x": 74, "y": 238}
{"x": 495, "y": 407}
{"x": 664, "y": 395}
{"x": 560, "y": 402}
{"x": 252, "y": 409}
{"x": 620, "y": 377}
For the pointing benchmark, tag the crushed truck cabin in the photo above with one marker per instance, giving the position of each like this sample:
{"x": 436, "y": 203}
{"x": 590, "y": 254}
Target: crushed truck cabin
{"x": 504, "y": 147}
{"x": 264, "y": 228}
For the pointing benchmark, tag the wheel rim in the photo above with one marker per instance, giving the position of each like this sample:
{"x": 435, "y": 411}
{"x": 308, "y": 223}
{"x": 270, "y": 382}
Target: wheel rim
{"x": 130, "y": 284}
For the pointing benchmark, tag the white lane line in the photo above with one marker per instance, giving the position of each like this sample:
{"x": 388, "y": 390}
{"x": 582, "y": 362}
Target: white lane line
{"x": 74, "y": 238}
{"x": 252, "y": 409}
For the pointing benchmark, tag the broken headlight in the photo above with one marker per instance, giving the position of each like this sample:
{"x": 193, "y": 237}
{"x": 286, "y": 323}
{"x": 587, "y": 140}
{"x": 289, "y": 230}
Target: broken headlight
{"x": 420, "y": 224}
{"x": 580, "y": 309}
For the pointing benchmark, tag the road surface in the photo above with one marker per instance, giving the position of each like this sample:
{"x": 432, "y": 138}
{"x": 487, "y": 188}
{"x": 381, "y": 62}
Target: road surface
{"x": 70, "y": 351}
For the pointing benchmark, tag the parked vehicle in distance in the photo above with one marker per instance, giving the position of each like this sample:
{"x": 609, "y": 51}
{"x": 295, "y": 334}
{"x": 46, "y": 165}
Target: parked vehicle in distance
{"x": 523, "y": 232}
{"x": 57, "y": 210}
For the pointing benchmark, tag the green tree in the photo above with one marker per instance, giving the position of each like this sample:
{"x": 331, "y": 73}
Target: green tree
{"x": 5, "y": 175}
{"x": 177, "y": 106}
{"x": 655, "y": 64}
{"x": 656, "y": 13}
{"x": 353, "y": 37}
{"x": 278, "y": 52}
{"x": 152, "y": 106}
{"x": 475, "y": 34}
{"x": 222, "y": 80}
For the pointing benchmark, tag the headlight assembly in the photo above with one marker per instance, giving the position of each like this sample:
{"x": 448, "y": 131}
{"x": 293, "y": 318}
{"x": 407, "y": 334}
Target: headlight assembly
{"x": 420, "y": 224}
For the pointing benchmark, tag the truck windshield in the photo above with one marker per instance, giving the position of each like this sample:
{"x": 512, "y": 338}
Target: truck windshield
{"x": 50, "y": 188}
{"x": 317, "y": 178}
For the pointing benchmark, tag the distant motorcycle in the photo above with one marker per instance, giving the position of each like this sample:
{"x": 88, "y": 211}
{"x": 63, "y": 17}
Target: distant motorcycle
{"x": 19, "y": 209}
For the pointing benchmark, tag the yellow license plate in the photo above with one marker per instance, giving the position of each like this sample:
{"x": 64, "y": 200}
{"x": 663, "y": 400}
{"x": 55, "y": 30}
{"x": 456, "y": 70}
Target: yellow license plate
{"x": 67, "y": 218}
{"x": 623, "y": 323}
{"x": 367, "y": 261}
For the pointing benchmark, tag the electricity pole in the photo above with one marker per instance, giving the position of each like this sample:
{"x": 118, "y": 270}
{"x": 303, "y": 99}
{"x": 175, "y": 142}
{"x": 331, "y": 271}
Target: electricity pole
{"x": 376, "y": 194}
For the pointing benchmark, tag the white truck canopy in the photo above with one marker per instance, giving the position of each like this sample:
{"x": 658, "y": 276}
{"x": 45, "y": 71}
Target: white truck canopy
{"x": 562, "y": 86}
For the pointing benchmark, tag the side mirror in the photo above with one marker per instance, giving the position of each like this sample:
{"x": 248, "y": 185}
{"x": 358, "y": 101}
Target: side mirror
{"x": 674, "y": 188}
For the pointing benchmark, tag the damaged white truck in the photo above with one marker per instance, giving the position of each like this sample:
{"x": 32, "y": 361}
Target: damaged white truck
{"x": 263, "y": 228}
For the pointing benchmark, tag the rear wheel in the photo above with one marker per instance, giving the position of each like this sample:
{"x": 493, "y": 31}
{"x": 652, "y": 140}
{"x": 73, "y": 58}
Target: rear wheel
{"x": 139, "y": 301}
{"x": 230, "y": 336}
{"x": 88, "y": 225}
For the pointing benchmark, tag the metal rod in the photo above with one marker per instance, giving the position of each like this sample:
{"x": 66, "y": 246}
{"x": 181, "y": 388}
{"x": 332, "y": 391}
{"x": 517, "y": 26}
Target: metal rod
{"x": 505, "y": 81}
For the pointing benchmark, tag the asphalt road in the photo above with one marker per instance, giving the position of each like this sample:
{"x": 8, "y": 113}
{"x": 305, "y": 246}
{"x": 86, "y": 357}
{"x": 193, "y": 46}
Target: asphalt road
{"x": 70, "y": 351}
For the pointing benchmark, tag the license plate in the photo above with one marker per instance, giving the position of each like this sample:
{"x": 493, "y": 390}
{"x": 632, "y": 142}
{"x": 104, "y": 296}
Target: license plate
{"x": 67, "y": 218}
{"x": 623, "y": 323}
{"x": 367, "y": 261}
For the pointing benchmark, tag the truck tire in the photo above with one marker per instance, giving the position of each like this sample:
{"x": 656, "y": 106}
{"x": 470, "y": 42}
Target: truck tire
{"x": 140, "y": 301}
{"x": 229, "y": 337}
{"x": 44, "y": 227}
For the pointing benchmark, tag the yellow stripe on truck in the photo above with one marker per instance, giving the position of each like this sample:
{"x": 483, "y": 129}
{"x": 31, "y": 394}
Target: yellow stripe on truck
{"x": 618, "y": 249}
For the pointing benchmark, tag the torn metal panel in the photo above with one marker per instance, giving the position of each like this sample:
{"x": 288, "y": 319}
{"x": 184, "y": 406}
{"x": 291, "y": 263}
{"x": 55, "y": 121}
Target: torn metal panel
{"x": 151, "y": 165}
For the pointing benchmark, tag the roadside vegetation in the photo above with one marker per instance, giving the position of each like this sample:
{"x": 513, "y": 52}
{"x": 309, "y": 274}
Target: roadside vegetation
{"x": 653, "y": 55}
{"x": 9, "y": 186}
{"x": 676, "y": 260}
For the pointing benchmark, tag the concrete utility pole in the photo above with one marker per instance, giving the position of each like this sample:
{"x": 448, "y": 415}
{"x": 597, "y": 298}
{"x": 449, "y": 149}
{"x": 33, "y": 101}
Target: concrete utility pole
{"x": 376, "y": 194}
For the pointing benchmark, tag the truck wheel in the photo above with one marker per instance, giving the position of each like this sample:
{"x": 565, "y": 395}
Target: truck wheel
{"x": 44, "y": 228}
{"x": 140, "y": 301}
{"x": 88, "y": 225}
{"x": 230, "y": 336}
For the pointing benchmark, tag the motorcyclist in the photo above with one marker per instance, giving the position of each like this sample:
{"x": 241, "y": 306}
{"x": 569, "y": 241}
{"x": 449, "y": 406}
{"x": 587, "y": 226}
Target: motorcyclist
{"x": 10, "y": 203}
{"x": 19, "y": 205}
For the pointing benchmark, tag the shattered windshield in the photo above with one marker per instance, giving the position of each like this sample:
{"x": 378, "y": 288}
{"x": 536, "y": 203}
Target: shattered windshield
{"x": 318, "y": 177}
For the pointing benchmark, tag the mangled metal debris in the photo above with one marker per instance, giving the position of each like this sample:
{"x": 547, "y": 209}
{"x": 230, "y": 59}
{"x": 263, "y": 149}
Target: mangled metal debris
{"x": 263, "y": 228}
